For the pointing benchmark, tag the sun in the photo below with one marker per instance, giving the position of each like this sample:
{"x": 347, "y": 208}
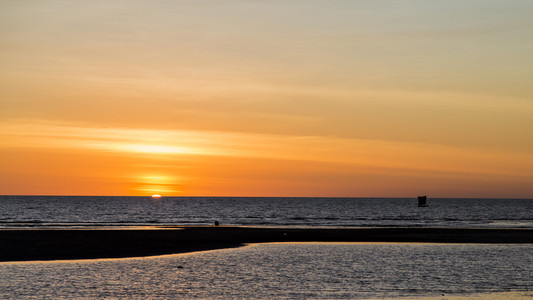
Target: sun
{"x": 156, "y": 196}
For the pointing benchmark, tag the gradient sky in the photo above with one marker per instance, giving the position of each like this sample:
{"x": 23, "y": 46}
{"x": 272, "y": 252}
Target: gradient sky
{"x": 267, "y": 98}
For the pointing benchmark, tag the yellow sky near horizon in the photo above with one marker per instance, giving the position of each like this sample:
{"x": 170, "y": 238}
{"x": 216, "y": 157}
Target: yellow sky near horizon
{"x": 267, "y": 98}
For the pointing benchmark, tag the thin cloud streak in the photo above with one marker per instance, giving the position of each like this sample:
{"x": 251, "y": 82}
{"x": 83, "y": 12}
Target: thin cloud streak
{"x": 169, "y": 144}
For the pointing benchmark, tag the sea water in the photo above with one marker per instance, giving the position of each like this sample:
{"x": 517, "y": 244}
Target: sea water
{"x": 90, "y": 211}
{"x": 272, "y": 271}
{"x": 284, "y": 271}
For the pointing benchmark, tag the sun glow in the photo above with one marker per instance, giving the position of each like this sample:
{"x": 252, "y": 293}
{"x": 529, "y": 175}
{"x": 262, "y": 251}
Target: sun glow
{"x": 157, "y": 149}
{"x": 156, "y": 196}
{"x": 157, "y": 185}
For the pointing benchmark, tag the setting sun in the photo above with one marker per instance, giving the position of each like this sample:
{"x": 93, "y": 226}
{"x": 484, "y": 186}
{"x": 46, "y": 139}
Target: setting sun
{"x": 354, "y": 98}
{"x": 155, "y": 128}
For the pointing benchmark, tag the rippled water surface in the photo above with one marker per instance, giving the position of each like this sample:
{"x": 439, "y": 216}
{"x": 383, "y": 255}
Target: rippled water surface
{"x": 281, "y": 271}
{"x": 56, "y": 211}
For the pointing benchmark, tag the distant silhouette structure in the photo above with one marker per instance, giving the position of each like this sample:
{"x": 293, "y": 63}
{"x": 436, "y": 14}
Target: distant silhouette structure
{"x": 216, "y": 223}
{"x": 422, "y": 201}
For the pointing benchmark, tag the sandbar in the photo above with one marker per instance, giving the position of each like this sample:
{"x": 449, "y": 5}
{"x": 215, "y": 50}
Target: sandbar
{"x": 60, "y": 244}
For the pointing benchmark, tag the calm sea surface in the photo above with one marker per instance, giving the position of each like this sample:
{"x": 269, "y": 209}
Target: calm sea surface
{"x": 284, "y": 271}
{"x": 60, "y": 211}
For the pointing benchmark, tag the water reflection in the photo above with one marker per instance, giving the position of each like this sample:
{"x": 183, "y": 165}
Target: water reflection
{"x": 283, "y": 271}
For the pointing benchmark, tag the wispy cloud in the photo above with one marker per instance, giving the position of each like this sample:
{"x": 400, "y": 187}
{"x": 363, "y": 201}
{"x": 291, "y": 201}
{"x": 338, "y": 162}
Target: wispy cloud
{"x": 170, "y": 144}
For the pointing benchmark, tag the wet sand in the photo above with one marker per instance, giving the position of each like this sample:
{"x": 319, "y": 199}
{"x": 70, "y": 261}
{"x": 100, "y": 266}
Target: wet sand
{"x": 48, "y": 244}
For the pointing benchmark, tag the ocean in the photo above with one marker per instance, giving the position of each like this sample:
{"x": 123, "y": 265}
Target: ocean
{"x": 276, "y": 270}
{"x": 115, "y": 212}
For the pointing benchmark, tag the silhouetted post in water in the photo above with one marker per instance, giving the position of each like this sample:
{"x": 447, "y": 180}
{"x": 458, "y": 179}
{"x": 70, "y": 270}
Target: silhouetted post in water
{"x": 422, "y": 201}
{"x": 216, "y": 223}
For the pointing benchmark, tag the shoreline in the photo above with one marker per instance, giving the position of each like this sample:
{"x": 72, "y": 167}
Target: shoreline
{"x": 65, "y": 244}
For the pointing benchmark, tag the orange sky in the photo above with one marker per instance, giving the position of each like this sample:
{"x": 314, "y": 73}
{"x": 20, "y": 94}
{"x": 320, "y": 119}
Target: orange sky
{"x": 267, "y": 98}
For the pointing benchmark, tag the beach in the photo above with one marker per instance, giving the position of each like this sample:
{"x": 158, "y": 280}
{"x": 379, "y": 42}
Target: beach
{"x": 63, "y": 244}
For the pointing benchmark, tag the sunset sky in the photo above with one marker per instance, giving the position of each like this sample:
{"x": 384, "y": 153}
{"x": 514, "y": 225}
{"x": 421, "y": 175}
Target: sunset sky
{"x": 348, "y": 98}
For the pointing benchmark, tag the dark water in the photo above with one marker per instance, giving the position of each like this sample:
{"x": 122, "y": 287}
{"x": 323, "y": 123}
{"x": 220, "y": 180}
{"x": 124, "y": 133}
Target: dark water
{"x": 285, "y": 271}
{"x": 61, "y": 211}
{"x": 275, "y": 271}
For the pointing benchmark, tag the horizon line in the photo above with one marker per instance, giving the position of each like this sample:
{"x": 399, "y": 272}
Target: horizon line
{"x": 316, "y": 197}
